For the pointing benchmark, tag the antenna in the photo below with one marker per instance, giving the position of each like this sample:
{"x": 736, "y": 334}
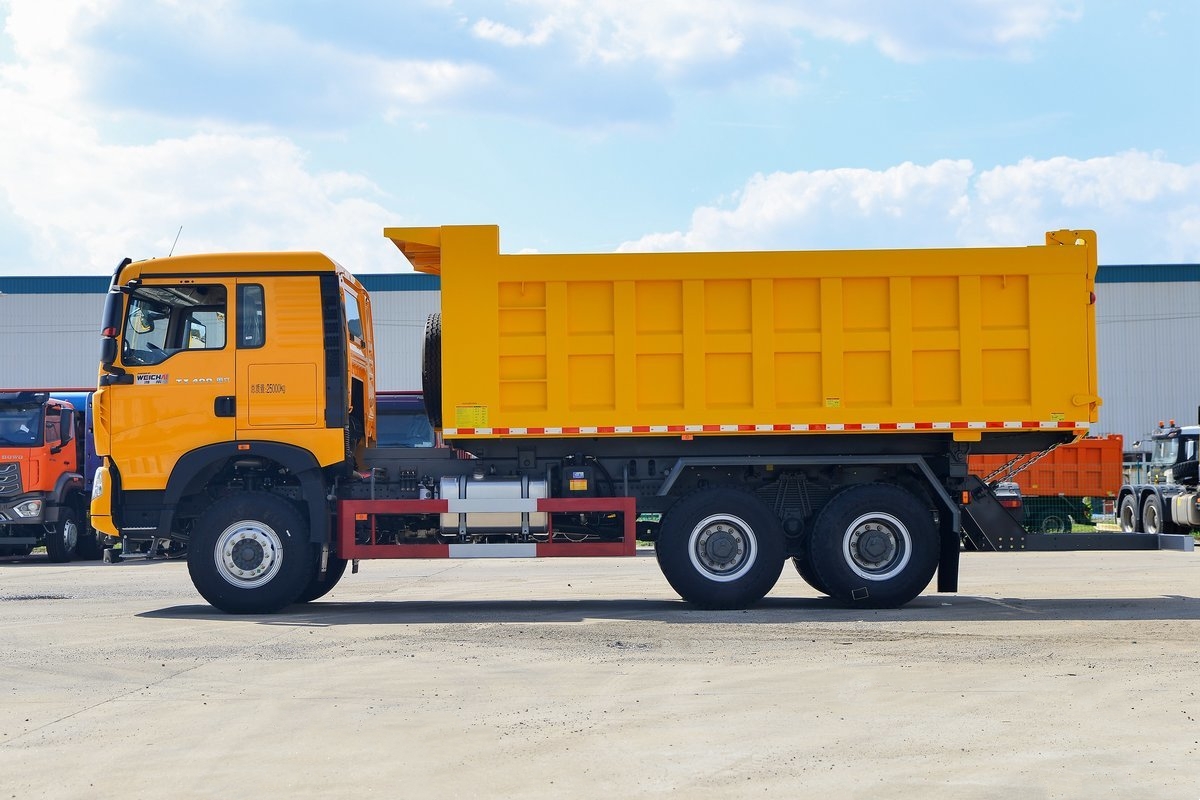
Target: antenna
{"x": 175, "y": 242}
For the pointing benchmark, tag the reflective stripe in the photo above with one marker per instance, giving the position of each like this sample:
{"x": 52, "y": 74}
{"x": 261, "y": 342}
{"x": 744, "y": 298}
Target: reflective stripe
{"x": 519, "y": 550}
{"x": 794, "y": 427}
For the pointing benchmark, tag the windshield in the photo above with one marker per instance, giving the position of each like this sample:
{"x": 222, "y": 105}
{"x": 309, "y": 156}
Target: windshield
{"x": 1165, "y": 451}
{"x": 21, "y": 426}
{"x": 403, "y": 429}
{"x": 164, "y": 320}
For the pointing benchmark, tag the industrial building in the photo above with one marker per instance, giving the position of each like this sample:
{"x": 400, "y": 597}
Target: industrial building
{"x": 50, "y": 330}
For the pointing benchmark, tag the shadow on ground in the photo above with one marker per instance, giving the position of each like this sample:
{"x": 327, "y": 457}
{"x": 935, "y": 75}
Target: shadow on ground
{"x": 770, "y": 611}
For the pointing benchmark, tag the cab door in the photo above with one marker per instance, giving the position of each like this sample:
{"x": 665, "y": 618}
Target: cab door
{"x": 176, "y": 346}
{"x": 281, "y": 362}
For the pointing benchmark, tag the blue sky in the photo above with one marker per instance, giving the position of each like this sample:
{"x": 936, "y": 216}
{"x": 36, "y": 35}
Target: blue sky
{"x": 594, "y": 126}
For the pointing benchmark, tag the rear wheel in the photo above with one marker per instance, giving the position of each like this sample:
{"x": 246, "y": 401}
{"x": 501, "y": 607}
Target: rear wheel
{"x": 720, "y": 548}
{"x": 88, "y": 548}
{"x": 63, "y": 537}
{"x": 804, "y": 566}
{"x": 1127, "y": 514}
{"x": 875, "y": 546}
{"x": 249, "y": 554}
{"x": 1055, "y": 523}
{"x": 1152, "y": 514}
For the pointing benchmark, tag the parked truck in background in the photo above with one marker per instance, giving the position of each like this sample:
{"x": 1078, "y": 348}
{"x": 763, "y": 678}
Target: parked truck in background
{"x": 763, "y": 406}
{"x": 45, "y": 476}
{"x": 1170, "y": 501}
{"x": 1058, "y": 486}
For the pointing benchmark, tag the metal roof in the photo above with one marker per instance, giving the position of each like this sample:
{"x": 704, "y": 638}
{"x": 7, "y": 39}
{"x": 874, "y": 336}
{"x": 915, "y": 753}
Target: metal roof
{"x": 414, "y": 282}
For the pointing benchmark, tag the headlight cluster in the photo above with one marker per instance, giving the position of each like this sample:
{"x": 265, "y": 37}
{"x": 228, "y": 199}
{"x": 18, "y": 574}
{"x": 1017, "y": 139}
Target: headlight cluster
{"x": 28, "y": 509}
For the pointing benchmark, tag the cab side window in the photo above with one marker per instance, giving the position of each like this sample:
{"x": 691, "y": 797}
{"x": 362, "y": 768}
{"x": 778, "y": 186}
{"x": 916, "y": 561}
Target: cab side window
{"x": 354, "y": 326}
{"x": 252, "y": 330}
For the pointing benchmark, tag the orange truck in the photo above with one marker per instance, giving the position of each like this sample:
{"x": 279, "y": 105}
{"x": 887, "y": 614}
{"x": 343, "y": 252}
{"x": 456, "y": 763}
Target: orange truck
{"x": 1057, "y": 486}
{"x": 753, "y": 408}
{"x": 44, "y": 482}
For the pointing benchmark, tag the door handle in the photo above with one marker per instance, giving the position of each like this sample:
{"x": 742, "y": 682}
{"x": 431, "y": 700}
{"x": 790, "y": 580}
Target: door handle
{"x": 225, "y": 406}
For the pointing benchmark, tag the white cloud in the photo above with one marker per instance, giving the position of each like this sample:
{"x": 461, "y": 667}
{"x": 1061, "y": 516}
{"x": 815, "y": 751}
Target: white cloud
{"x": 676, "y": 34}
{"x": 1144, "y": 208}
{"x": 83, "y": 201}
{"x": 511, "y": 37}
{"x": 87, "y": 204}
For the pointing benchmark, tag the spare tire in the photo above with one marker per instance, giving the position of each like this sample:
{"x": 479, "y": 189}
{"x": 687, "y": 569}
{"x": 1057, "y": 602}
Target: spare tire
{"x": 431, "y": 369}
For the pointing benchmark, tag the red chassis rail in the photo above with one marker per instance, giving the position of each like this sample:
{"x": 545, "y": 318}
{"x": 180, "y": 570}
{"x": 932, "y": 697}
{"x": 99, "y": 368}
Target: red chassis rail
{"x": 350, "y": 512}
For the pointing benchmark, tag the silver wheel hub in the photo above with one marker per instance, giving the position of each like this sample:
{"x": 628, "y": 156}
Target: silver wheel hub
{"x": 722, "y": 547}
{"x": 877, "y": 546}
{"x": 70, "y": 534}
{"x": 248, "y": 554}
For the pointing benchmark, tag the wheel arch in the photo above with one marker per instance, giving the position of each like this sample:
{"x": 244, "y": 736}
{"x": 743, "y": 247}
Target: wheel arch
{"x": 197, "y": 468}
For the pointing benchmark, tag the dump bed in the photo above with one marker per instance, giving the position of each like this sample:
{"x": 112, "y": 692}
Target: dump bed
{"x": 1090, "y": 467}
{"x": 962, "y": 340}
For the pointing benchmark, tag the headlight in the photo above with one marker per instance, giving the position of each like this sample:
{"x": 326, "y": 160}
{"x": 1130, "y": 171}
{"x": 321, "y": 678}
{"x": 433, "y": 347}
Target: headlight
{"x": 30, "y": 508}
{"x": 98, "y": 482}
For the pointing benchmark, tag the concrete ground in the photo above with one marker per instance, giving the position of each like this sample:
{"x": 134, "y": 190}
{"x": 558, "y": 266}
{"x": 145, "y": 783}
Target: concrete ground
{"x": 1048, "y": 676}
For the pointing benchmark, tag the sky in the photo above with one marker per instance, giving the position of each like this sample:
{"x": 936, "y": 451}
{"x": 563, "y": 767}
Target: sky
{"x": 134, "y": 127}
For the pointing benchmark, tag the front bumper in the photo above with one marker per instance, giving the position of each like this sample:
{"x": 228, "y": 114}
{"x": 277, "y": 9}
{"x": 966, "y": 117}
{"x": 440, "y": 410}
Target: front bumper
{"x": 27, "y": 509}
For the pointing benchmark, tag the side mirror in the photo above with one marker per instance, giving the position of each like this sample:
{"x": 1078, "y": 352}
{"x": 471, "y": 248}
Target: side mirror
{"x": 108, "y": 350}
{"x": 66, "y": 426}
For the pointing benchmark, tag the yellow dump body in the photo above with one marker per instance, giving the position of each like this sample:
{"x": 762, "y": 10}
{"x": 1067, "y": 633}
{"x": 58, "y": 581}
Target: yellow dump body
{"x": 965, "y": 340}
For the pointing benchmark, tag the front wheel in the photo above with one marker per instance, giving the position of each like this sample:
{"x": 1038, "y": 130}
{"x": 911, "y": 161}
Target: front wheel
{"x": 720, "y": 548}
{"x": 63, "y": 536}
{"x": 321, "y": 585}
{"x": 875, "y": 546}
{"x": 249, "y": 554}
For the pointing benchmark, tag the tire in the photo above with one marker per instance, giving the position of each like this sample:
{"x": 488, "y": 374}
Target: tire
{"x": 720, "y": 548}
{"x": 875, "y": 546}
{"x": 88, "y": 547}
{"x": 1127, "y": 514}
{"x": 250, "y": 554}
{"x": 63, "y": 539}
{"x": 431, "y": 369}
{"x": 803, "y": 565}
{"x": 1055, "y": 523}
{"x": 320, "y": 585}
{"x": 1152, "y": 514}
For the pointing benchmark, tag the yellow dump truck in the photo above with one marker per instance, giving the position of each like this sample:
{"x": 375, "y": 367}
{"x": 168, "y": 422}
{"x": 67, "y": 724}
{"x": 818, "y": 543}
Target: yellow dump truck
{"x": 737, "y": 409}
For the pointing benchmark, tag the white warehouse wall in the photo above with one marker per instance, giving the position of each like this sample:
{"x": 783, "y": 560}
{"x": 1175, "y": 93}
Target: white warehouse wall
{"x": 50, "y": 329}
{"x": 1145, "y": 317}
{"x": 49, "y": 332}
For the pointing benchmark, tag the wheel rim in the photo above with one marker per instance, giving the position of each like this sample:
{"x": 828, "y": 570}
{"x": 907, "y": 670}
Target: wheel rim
{"x": 1054, "y": 525}
{"x": 248, "y": 554}
{"x": 1150, "y": 518}
{"x": 722, "y": 547}
{"x": 1127, "y": 517}
{"x": 877, "y": 546}
{"x": 70, "y": 534}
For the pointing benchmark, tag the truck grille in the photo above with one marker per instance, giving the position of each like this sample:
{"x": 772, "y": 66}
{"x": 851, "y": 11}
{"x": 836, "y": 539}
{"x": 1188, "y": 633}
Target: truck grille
{"x": 10, "y": 479}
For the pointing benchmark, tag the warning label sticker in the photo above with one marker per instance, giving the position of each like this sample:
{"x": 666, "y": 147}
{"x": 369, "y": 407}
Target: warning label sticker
{"x": 471, "y": 416}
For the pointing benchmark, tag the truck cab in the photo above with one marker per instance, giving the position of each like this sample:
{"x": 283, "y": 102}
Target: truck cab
{"x": 1170, "y": 501}
{"x": 42, "y": 487}
{"x": 242, "y": 372}
{"x": 1173, "y": 458}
